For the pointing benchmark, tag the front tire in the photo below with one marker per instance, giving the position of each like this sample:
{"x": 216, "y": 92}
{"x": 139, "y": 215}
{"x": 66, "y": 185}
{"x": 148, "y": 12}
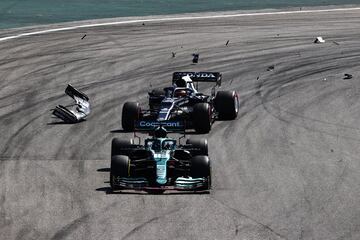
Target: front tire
{"x": 201, "y": 144}
{"x": 130, "y": 114}
{"x": 202, "y": 117}
{"x": 227, "y": 104}
{"x": 156, "y": 96}
{"x": 118, "y": 145}
{"x": 201, "y": 168}
{"x": 120, "y": 167}
{"x": 158, "y": 92}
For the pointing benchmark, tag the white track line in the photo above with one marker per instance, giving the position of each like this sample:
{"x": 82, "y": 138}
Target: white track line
{"x": 172, "y": 19}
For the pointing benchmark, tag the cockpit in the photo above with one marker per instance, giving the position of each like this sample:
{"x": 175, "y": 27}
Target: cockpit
{"x": 181, "y": 92}
{"x": 181, "y": 88}
{"x": 158, "y": 145}
{"x": 185, "y": 82}
{"x": 168, "y": 145}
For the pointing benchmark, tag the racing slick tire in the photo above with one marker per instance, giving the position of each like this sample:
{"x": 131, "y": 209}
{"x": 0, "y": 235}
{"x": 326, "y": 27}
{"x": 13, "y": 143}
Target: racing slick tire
{"x": 156, "y": 96}
{"x": 118, "y": 145}
{"x": 201, "y": 168}
{"x": 158, "y": 92}
{"x": 130, "y": 113}
{"x": 202, "y": 117}
{"x": 227, "y": 104}
{"x": 120, "y": 166}
{"x": 201, "y": 144}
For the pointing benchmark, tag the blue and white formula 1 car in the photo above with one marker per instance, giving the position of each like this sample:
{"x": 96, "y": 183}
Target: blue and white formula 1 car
{"x": 182, "y": 101}
{"x": 161, "y": 163}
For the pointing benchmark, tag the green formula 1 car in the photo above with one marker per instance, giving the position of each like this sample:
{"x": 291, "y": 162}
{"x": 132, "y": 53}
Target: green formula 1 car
{"x": 161, "y": 163}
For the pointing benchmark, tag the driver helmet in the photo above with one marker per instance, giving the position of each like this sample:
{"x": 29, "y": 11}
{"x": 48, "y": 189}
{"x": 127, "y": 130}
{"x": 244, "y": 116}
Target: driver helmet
{"x": 180, "y": 83}
{"x": 167, "y": 146}
{"x": 180, "y": 93}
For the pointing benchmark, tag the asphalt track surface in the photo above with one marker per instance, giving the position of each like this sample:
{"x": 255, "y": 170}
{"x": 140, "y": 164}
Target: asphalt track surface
{"x": 286, "y": 168}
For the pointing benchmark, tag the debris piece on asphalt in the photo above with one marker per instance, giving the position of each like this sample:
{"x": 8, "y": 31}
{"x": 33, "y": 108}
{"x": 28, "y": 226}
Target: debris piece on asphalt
{"x": 336, "y": 43}
{"x": 195, "y": 58}
{"x": 348, "y": 76}
{"x": 76, "y": 112}
{"x": 227, "y": 42}
{"x": 143, "y": 24}
{"x": 271, "y": 68}
{"x": 319, "y": 40}
{"x": 173, "y": 54}
{"x": 258, "y": 77}
{"x": 231, "y": 81}
{"x": 83, "y": 37}
{"x": 324, "y": 79}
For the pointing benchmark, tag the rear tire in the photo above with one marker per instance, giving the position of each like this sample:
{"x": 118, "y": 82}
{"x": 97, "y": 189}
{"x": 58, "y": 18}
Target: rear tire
{"x": 227, "y": 104}
{"x": 130, "y": 114}
{"x": 120, "y": 167}
{"x": 156, "y": 96}
{"x": 118, "y": 146}
{"x": 201, "y": 168}
{"x": 201, "y": 144}
{"x": 158, "y": 92}
{"x": 202, "y": 117}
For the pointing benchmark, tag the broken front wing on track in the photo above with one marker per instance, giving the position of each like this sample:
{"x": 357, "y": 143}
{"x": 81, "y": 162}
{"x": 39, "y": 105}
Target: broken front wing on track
{"x": 75, "y": 112}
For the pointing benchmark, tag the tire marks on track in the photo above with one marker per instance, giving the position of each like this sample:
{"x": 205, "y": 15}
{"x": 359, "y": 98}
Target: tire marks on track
{"x": 272, "y": 168}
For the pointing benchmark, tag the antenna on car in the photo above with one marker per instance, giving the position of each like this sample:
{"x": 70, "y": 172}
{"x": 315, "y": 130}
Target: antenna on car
{"x": 183, "y": 133}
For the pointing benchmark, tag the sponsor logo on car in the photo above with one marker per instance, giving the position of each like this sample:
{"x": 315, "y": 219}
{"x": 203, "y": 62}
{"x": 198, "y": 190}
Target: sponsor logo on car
{"x": 152, "y": 124}
{"x": 197, "y": 74}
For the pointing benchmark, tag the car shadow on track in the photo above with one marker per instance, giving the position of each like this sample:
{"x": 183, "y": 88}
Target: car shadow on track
{"x": 108, "y": 190}
{"x": 65, "y": 123}
{"x": 103, "y": 170}
{"x": 59, "y": 123}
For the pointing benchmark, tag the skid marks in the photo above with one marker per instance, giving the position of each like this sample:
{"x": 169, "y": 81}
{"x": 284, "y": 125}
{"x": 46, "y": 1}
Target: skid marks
{"x": 143, "y": 225}
{"x": 245, "y": 226}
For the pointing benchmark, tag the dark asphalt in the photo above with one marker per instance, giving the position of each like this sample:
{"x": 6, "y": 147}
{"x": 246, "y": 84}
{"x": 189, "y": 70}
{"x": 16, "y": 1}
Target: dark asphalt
{"x": 287, "y": 168}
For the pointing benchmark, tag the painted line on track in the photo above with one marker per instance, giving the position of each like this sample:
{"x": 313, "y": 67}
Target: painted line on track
{"x": 171, "y": 19}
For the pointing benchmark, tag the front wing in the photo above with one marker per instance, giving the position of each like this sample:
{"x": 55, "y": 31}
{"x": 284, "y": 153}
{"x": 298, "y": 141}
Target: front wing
{"x": 142, "y": 184}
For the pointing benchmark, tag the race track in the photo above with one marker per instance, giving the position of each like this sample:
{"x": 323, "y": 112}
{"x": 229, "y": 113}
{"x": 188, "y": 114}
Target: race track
{"x": 286, "y": 168}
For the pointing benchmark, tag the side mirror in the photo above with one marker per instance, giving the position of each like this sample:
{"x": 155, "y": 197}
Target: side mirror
{"x": 218, "y": 82}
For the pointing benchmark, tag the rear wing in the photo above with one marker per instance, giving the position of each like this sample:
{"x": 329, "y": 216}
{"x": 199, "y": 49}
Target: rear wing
{"x": 150, "y": 125}
{"x": 199, "y": 77}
